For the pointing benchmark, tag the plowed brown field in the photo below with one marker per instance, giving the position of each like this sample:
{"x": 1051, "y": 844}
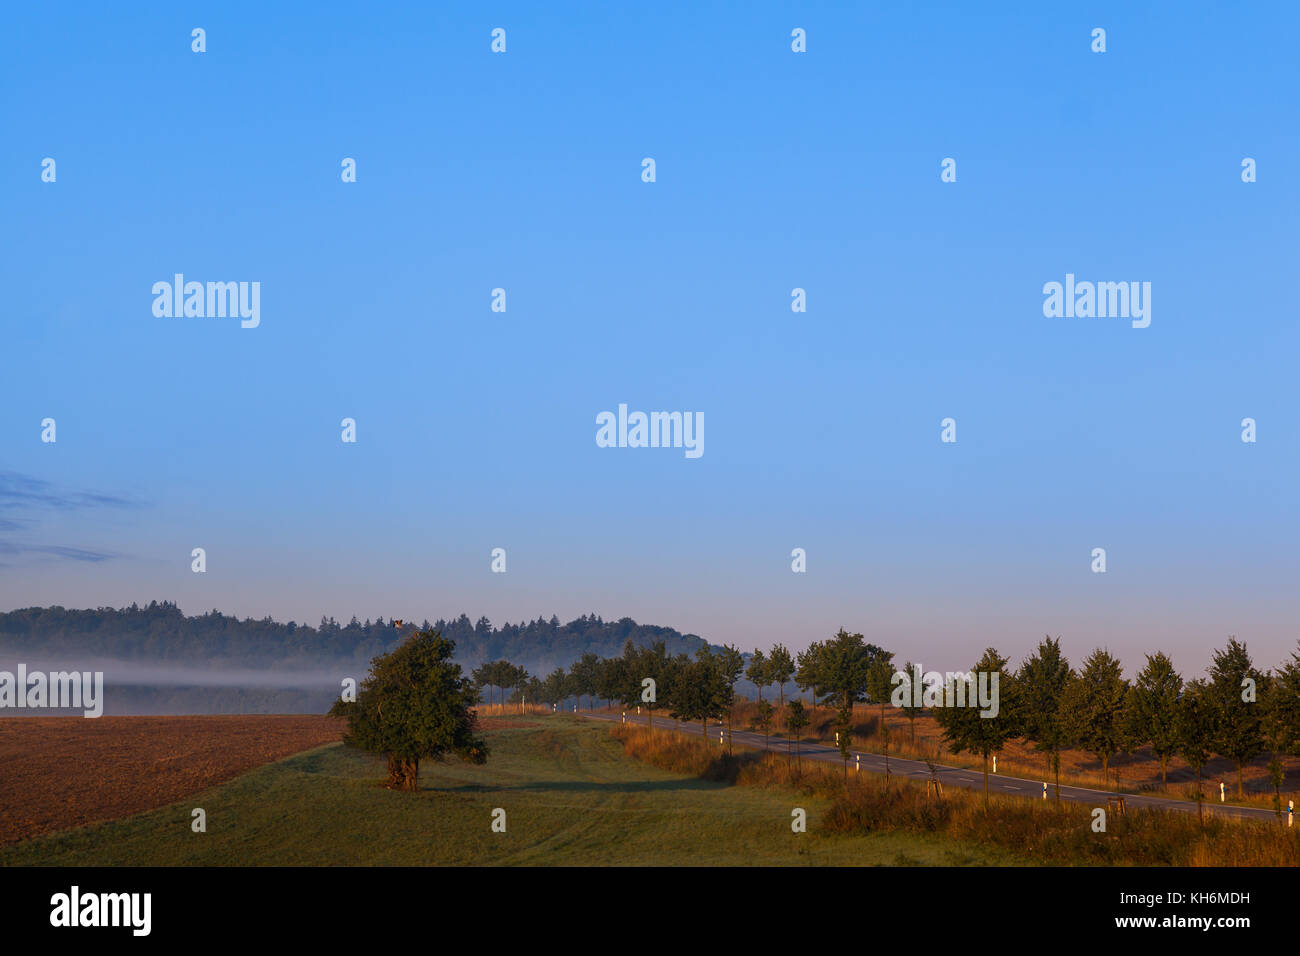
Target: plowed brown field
{"x": 60, "y": 772}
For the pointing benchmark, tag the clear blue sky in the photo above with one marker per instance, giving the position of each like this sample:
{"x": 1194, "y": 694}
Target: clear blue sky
{"x": 775, "y": 170}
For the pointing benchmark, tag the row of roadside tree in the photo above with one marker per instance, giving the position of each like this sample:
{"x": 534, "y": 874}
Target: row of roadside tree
{"x": 1237, "y": 711}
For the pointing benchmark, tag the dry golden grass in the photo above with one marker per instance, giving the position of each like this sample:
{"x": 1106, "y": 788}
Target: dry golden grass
{"x": 512, "y": 710}
{"x": 1029, "y": 828}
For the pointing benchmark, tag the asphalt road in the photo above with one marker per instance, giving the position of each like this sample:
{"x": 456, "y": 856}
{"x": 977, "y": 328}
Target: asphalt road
{"x": 949, "y": 776}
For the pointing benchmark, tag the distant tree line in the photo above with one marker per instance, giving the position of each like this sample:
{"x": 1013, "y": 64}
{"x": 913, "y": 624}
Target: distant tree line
{"x": 161, "y": 633}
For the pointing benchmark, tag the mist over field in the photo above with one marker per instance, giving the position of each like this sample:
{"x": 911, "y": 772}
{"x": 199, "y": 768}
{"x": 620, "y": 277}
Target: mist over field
{"x": 133, "y": 687}
{"x": 158, "y": 660}
{"x": 120, "y": 673}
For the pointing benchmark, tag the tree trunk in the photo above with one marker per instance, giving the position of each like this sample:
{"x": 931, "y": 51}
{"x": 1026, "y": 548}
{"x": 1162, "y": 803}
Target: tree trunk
{"x": 1200, "y": 802}
{"x": 403, "y": 773}
{"x": 1164, "y": 773}
{"x": 986, "y": 783}
{"x": 1056, "y": 763}
{"x": 1241, "y": 794}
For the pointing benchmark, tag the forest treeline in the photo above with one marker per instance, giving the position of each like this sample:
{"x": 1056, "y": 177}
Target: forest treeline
{"x": 160, "y": 633}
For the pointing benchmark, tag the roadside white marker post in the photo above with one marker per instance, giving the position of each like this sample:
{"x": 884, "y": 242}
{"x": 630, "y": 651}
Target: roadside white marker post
{"x": 995, "y": 763}
{"x": 623, "y": 719}
{"x": 1290, "y": 812}
{"x": 857, "y": 763}
{"x": 1220, "y": 791}
{"x": 1044, "y": 789}
{"x": 719, "y": 738}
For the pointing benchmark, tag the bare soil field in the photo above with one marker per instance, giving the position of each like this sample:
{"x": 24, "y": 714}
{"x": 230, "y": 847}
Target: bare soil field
{"x": 61, "y": 772}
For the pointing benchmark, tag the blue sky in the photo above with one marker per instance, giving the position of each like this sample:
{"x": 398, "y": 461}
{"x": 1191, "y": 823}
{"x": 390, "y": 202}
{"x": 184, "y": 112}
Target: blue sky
{"x": 775, "y": 170}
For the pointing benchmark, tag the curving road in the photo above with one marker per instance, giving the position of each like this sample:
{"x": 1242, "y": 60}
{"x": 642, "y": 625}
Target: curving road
{"x": 951, "y": 776}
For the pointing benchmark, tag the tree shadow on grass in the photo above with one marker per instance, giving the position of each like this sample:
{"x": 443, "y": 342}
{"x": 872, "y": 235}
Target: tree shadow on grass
{"x": 582, "y": 786}
{"x": 317, "y": 760}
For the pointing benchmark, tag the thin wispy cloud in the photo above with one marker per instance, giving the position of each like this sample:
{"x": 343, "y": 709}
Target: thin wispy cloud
{"x": 56, "y": 551}
{"x": 23, "y": 498}
{"x": 23, "y": 491}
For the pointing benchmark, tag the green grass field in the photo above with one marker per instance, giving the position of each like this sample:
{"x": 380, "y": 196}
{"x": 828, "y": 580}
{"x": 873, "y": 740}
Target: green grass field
{"x": 570, "y": 794}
